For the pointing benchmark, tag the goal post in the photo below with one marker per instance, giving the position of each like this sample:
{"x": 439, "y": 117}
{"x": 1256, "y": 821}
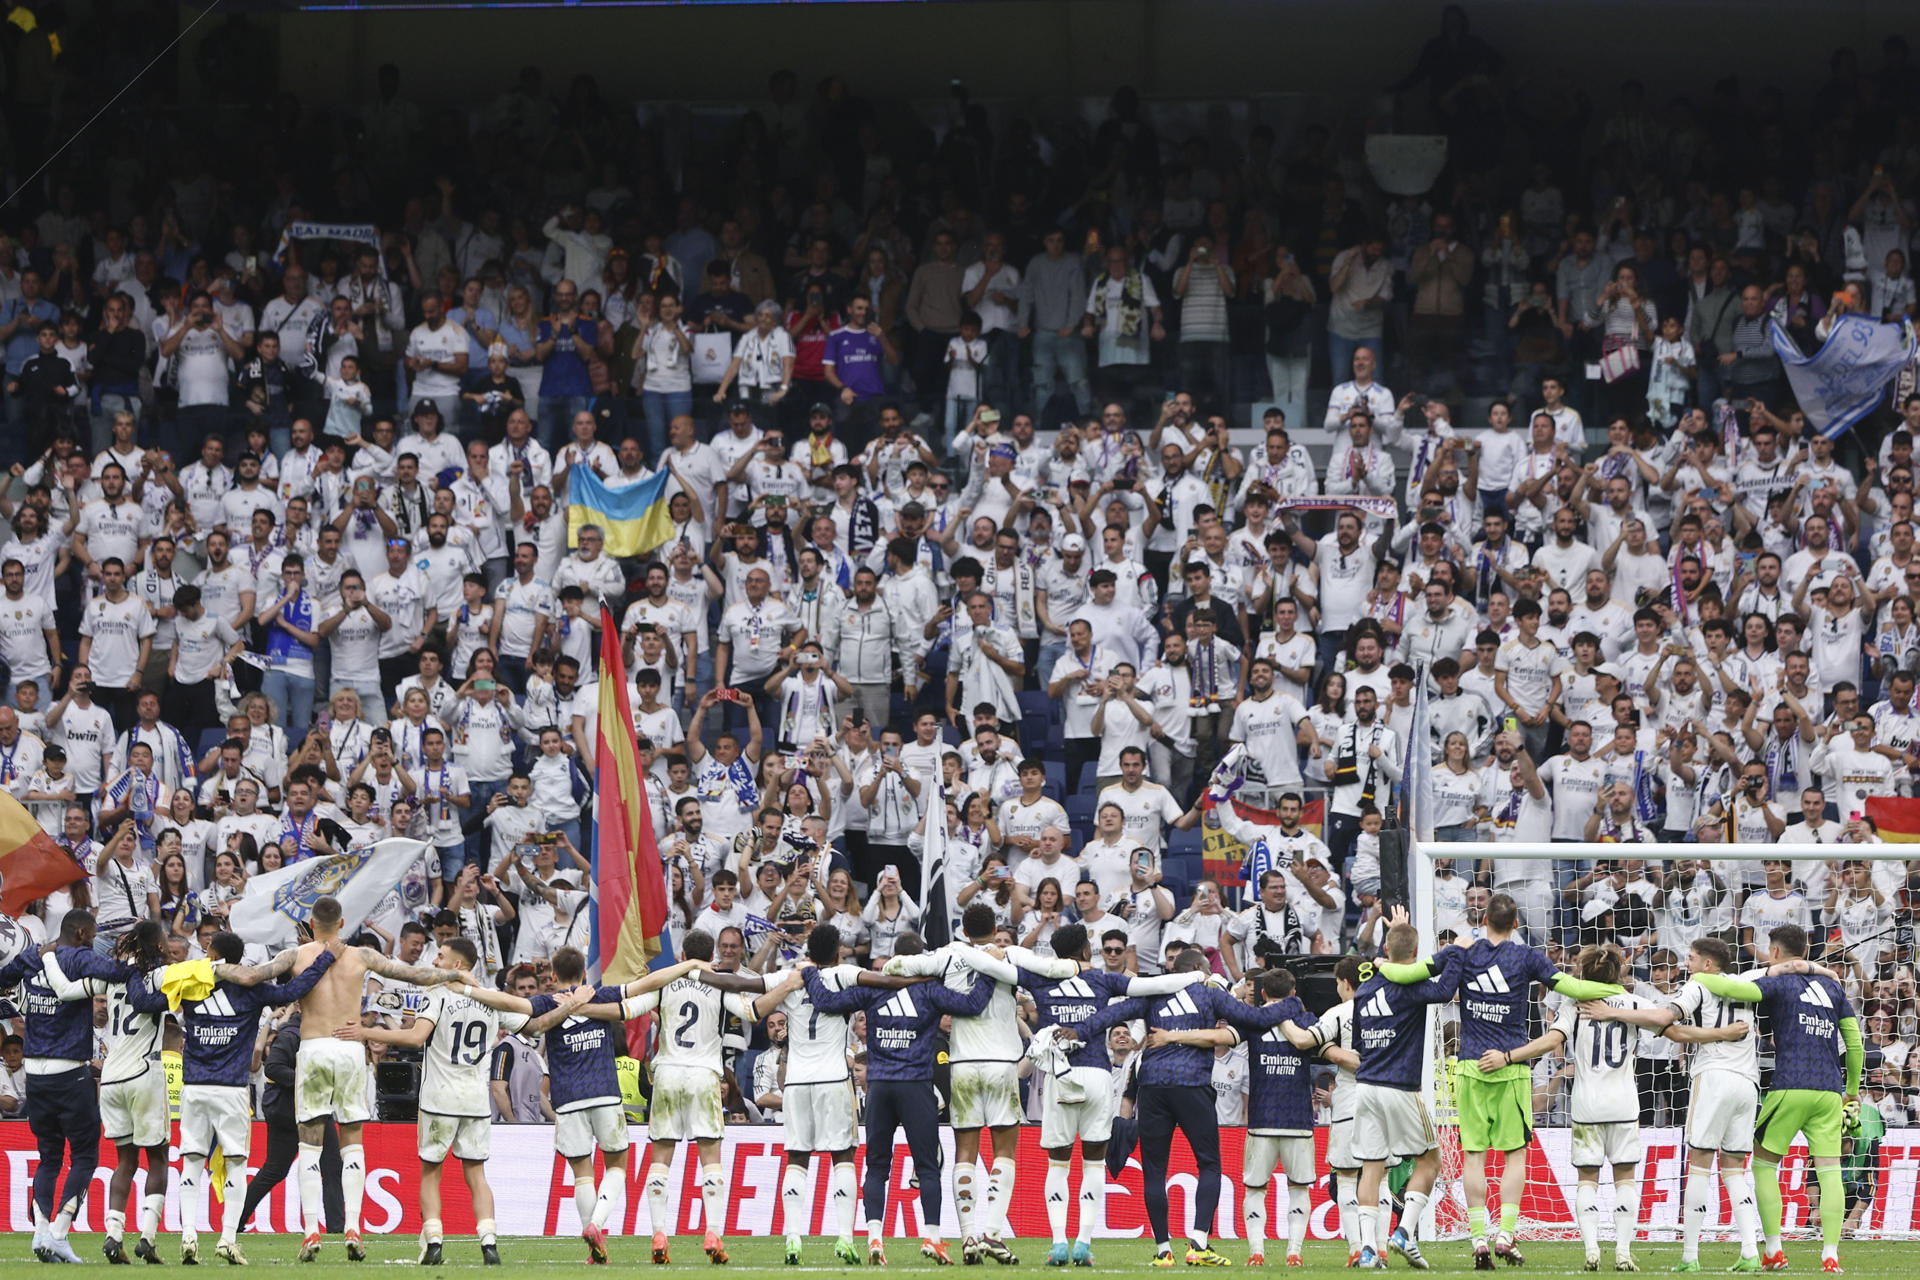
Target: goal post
{"x": 1887, "y": 1183}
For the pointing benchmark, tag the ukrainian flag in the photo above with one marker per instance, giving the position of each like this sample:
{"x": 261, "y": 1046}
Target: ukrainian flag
{"x": 635, "y": 519}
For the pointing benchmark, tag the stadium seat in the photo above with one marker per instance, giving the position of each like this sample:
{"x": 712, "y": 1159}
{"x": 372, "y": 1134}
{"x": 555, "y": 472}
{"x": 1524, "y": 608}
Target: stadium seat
{"x": 1185, "y": 842}
{"x": 1056, "y": 777}
{"x": 209, "y": 739}
{"x": 1036, "y": 709}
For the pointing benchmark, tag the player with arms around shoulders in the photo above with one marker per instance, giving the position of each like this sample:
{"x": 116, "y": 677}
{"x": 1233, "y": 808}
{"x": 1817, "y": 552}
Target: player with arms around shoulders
{"x": 1497, "y": 975}
{"x": 986, "y": 1053}
{"x": 1815, "y": 1088}
{"x": 1077, "y": 1101}
{"x": 1606, "y": 1099}
{"x": 1280, "y": 1110}
{"x": 456, "y": 1029}
{"x": 330, "y": 1076}
{"x": 1725, "y": 1098}
{"x": 818, "y": 1111}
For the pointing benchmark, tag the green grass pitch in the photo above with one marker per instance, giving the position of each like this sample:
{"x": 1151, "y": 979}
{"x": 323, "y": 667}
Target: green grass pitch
{"x": 755, "y": 1255}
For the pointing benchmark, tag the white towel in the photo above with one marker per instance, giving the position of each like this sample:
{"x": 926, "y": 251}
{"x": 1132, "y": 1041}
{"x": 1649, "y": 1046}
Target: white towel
{"x": 1050, "y": 1059}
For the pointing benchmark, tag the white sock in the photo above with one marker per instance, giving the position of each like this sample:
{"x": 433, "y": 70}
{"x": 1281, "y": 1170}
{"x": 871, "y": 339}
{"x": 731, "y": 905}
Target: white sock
{"x": 353, "y": 1182}
{"x": 657, "y": 1175}
{"x": 1411, "y": 1215}
{"x": 1370, "y": 1227}
{"x": 609, "y": 1199}
{"x": 489, "y": 1231}
{"x": 1694, "y": 1214}
{"x": 1587, "y": 1209}
{"x": 151, "y": 1207}
{"x": 63, "y": 1223}
{"x": 713, "y": 1195}
{"x": 1626, "y": 1215}
{"x": 1093, "y": 1198}
{"x": 1350, "y": 1209}
{"x": 840, "y": 1188}
{"x": 312, "y": 1189}
{"x": 1198, "y": 1237}
{"x": 236, "y": 1191}
{"x": 1253, "y": 1214}
{"x": 193, "y": 1174}
{"x": 963, "y": 1176}
{"x": 1299, "y": 1207}
{"x": 431, "y": 1232}
{"x": 584, "y": 1200}
{"x": 1057, "y": 1199}
{"x": 793, "y": 1200}
{"x": 116, "y": 1223}
{"x": 999, "y": 1198}
{"x": 1746, "y": 1209}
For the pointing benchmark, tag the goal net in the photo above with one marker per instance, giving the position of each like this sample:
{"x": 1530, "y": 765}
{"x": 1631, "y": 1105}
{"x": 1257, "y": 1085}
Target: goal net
{"x": 1653, "y": 907}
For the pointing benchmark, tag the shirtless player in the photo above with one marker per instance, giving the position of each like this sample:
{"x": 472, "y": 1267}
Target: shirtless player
{"x": 330, "y": 1078}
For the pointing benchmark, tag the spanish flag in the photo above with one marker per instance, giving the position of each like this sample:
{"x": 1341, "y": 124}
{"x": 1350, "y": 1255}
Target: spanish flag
{"x": 630, "y": 934}
{"x": 32, "y": 865}
{"x": 635, "y": 519}
{"x": 1898, "y": 818}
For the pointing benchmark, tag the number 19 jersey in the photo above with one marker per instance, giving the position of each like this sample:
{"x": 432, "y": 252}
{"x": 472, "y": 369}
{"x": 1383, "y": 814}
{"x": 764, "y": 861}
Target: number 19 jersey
{"x": 453, "y": 1080}
{"x": 816, "y": 1041}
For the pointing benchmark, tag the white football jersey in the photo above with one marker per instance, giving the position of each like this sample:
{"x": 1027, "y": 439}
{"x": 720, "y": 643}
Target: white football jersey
{"x": 693, "y": 1023}
{"x": 1699, "y": 1007}
{"x": 458, "y": 1052}
{"x": 1336, "y": 1028}
{"x": 816, "y": 1041}
{"x": 993, "y": 1035}
{"x": 1604, "y": 1057}
{"x": 133, "y": 1038}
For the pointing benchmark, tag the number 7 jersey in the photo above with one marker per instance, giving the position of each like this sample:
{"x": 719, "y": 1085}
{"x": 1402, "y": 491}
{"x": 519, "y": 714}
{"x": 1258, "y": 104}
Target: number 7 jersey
{"x": 453, "y": 1081}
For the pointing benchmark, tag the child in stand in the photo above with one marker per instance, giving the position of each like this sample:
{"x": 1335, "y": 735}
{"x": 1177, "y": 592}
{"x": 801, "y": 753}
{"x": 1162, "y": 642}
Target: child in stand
{"x": 1365, "y": 870}
{"x": 966, "y": 357}
{"x": 50, "y": 791}
{"x": 26, "y": 705}
{"x": 579, "y": 631}
{"x": 1672, "y": 377}
{"x": 468, "y": 629}
{"x": 559, "y": 787}
{"x": 349, "y": 401}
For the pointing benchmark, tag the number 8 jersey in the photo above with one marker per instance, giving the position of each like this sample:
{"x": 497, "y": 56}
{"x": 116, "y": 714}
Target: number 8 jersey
{"x": 457, "y": 1054}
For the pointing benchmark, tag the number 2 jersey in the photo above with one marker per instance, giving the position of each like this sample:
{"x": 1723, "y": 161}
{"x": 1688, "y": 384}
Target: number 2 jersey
{"x": 453, "y": 1079}
{"x": 1604, "y": 1057}
{"x": 693, "y": 1023}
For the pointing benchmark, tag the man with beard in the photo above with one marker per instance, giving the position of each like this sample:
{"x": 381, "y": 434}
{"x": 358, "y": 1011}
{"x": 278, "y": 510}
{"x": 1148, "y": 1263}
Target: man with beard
{"x": 1441, "y": 631}
{"x": 248, "y": 495}
{"x": 1362, "y": 764}
{"x": 1344, "y": 571}
{"x": 109, "y": 526}
{"x": 403, "y": 595}
{"x": 1759, "y": 590}
{"x": 1125, "y": 628}
{"x": 1604, "y": 616}
{"x": 1604, "y": 518}
{"x": 1565, "y": 559}
{"x": 1268, "y": 723}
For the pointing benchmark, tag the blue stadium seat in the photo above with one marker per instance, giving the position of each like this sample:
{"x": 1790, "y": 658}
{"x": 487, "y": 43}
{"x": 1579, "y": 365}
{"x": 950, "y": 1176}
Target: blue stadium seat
{"x": 1080, "y": 806}
{"x": 1056, "y": 776}
{"x": 209, "y": 739}
{"x": 1181, "y": 843}
{"x": 1036, "y": 708}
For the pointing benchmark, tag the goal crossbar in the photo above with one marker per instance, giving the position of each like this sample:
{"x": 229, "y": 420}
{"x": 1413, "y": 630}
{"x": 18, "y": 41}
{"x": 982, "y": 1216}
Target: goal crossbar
{"x": 1896, "y": 852}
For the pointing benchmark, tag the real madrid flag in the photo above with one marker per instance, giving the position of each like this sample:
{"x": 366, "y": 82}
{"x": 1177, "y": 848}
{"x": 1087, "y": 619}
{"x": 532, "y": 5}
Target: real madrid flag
{"x": 360, "y": 878}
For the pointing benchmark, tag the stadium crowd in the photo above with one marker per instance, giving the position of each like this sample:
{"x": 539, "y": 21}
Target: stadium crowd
{"x": 1042, "y": 469}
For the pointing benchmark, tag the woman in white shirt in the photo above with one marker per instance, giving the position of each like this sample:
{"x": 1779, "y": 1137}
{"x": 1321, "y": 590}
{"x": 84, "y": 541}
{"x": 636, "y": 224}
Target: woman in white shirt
{"x": 1200, "y": 925}
{"x": 193, "y": 834}
{"x": 1627, "y": 323}
{"x": 1456, "y": 790}
{"x": 664, "y": 356}
{"x": 349, "y": 735}
{"x": 843, "y": 912}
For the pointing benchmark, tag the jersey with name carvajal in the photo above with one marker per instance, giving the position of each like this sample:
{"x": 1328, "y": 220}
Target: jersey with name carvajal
{"x": 1195, "y": 1008}
{"x": 693, "y": 1024}
{"x": 453, "y": 1079}
{"x": 816, "y": 1040}
{"x": 580, "y": 1054}
{"x": 1069, "y": 1002}
{"x": 900, "y": 1045}
{"x": 1390, "y": 1024}
{"x": 1805, "y": 1012}
{"x": 220, "y": 1030}
{"x": 1605, "y": 1055}
{"x": 1699, "y": 1007}
{"x": 1496, "y": 993}
{"x": 1280, "y": 1077}
{"x": 136, "y": 1015}
{"x": 59, "y": 1028}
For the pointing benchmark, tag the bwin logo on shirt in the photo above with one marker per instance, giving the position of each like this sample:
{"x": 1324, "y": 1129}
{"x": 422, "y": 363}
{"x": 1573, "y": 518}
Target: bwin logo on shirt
{"x": 1815, "y": 994}
{"x": 1490, "y": 983}
{"x": 1378, "y": 1006}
